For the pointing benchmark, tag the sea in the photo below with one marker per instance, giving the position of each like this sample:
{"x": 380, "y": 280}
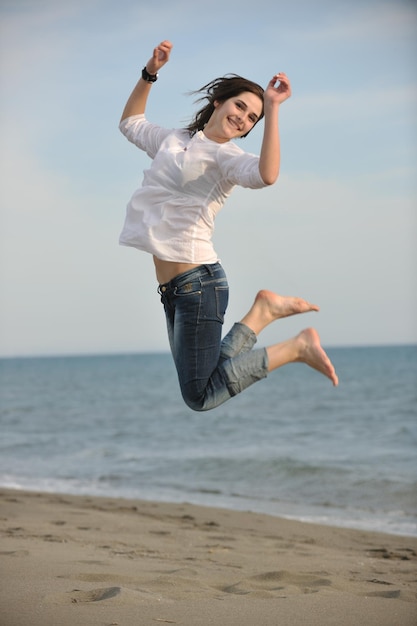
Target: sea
{"x": 291, "y": 445}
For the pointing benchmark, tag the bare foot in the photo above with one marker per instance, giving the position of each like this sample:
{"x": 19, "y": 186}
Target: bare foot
{"x": 311, "y": 353}
{"x": 270, "y": 306}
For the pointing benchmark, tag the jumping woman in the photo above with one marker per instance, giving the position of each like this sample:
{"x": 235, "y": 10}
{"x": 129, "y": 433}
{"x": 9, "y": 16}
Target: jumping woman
{"x": 171, "y": 216}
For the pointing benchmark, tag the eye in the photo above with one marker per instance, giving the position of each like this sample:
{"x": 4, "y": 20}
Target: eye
{"x": 239, "y": 105}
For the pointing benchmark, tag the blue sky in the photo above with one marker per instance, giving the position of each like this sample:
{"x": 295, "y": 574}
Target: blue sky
{"x": 339, "y": 228}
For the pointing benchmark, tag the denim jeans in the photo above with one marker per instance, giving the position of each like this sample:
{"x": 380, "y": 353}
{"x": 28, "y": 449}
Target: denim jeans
{"x": 210, "y": 371}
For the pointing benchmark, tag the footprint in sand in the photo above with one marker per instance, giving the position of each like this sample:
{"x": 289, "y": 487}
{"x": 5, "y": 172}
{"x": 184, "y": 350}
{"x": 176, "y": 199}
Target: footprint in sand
{"x": 118, "y": 595}
{"x": 94, "y": 595}
{"x": 281, "y": 582}
{"x": 403, "y": 554}
{"x": 395, "y": 593}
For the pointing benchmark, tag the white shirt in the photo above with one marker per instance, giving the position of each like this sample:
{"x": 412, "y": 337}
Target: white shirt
{"x": 172, "y": 214}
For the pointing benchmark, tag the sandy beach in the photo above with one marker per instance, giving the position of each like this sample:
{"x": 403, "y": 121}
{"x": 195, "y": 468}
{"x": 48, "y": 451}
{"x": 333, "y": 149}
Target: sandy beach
{"x": 81, "y": 561}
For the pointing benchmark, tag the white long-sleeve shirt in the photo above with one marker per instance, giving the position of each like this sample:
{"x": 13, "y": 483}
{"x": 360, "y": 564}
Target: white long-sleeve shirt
{"x": 172, "y": 214}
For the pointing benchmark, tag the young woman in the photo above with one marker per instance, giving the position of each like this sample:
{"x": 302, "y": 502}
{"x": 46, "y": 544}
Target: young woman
{"x": 171, "y": 216}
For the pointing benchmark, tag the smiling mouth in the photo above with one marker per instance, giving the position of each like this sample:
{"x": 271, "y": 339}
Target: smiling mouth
{"x": 235, "y": 125}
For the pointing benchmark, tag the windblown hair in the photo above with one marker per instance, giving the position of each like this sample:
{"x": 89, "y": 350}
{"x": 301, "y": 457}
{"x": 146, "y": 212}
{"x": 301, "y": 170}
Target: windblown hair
{"x": 221, "y": 89}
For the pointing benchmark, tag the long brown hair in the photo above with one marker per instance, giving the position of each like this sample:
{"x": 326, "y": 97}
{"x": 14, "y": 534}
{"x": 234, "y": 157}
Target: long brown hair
{"x": 221, "y": 89}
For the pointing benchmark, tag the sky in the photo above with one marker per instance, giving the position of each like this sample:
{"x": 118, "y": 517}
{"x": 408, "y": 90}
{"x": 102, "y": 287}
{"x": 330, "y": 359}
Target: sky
{"x": 338, "y": 228}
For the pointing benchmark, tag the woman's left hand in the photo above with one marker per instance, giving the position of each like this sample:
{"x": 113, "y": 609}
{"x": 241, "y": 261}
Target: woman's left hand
{"x": 278, "y": 93}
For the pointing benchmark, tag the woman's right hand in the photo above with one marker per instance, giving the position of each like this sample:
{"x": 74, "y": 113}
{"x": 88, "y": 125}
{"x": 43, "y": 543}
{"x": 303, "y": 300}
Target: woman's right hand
{"x": 160, "y": 57}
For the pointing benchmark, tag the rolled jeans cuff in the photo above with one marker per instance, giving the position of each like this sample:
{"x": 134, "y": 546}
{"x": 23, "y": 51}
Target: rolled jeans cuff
{"x": 241, "y": 372}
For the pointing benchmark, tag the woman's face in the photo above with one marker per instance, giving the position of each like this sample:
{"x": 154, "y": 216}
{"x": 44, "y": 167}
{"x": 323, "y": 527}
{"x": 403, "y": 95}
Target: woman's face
{"x": 234, "y": 117}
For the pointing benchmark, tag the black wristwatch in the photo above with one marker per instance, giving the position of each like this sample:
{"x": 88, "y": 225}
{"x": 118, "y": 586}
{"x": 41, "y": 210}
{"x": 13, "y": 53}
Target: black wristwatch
{"x": 150, "y": 78}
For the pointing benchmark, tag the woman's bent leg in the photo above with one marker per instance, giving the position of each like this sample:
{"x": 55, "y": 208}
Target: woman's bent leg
{"x": 211, "y": 371}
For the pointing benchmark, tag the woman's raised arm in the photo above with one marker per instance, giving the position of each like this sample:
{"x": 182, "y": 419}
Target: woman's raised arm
{"x": 136, "y": 103}
{"x": 270, "y": 157}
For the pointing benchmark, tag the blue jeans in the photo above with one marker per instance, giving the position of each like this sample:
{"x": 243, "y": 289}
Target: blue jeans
{"x": 210, "y": 371}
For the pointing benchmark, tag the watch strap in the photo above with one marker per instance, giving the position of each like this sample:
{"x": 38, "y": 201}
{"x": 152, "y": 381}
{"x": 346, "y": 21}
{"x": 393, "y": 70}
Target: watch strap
{"x": 150, "y": 78}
